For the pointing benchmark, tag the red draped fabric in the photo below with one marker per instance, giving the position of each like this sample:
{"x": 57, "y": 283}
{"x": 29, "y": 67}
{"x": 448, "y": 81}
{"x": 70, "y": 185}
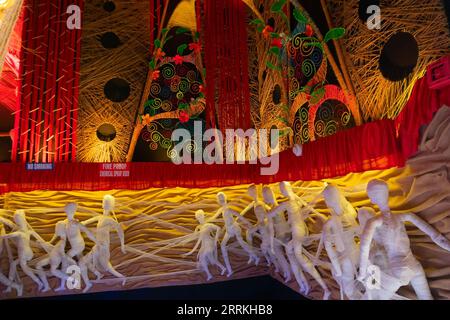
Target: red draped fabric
{"x": 419, "y": 111}
{"x": 50, "y": 79}
{"x": 226, "y": 61}
{"x": 372, "y": 146}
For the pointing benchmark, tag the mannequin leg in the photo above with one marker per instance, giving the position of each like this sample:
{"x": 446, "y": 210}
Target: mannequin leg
{"x": 247, "y": 249}
{"x": 27, "y": 270}
{"x": 279, "y": 255}
{"x": 420, "y": 286}
{"x": 41, "y": 273}
{"x": 223, "y": 247}
{"x": 298, "y": 274}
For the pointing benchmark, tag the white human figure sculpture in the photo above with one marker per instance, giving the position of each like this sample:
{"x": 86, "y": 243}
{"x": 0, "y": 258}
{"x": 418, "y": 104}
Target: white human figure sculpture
{"x": 74, "y": 230}
{"x": 55, "y": 258}
{"x": 299, "y": 229}
{"x": 100, "y": 253}
{"x": 282, "y": 232}
{"x": 340, "y": 232}
{"x": 208, "y": 244}
{"x": 388, "y": 231}
{"x": 232, "y": 229}
{"x": 3, "y": 279}
{"x": 22, "y": 238}
{"x": 264, "y": 229}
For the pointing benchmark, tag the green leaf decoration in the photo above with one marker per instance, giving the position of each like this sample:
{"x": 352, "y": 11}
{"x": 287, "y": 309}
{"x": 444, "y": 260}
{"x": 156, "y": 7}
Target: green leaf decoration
{"x": 278, "y": 6}
{"x": 183, "y": 106}
{"x": 314, "y": 44}
{"x": 272, "y": 66}
{"x": 197, "y": 36}
{"x": 283, "y": 120}
{"x": 299, "y": 16}
{"x": 317, "y": 95}
{"x": 274, "y": 35}
{"x": 182, "y": 30}
{"x": 149, "y": 103}
{"x": 334, "y": 34}
{"x": 257, "y": 22}
{"x": 157, "y": 43}
{"x": 152, "y": 64}
{"x": 260, "y": 28}
{"x": 164, "y": 31}
{"x": 275, "y": 51}
{"x": 181, "y": 48}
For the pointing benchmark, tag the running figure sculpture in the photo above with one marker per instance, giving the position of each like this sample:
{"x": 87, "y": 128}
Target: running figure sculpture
{"x": 208, "y": 238}
{"x": 388, "y": 231}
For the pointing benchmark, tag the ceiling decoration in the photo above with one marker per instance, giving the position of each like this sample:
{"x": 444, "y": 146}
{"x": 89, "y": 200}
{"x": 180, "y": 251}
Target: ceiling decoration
{"x": 365, "y": 50}
{"x": 114, "y": 63}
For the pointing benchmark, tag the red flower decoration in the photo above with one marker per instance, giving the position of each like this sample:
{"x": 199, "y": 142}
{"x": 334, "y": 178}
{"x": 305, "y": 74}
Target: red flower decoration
{"x": 155, "y": 75}
{"x": 184, "y": 116}
{"x": 267, "y": 31}
{"x": 178, "y": 59}
{"x": 309, "y": 31}
{"x": 159, "y": 54}
{"x": 276, "y": 42}
{"x": 201, "y": 88}
{"x": 196, "y": 47}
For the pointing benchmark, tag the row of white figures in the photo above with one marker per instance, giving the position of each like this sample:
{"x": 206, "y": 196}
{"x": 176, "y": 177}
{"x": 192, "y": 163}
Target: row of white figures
{"x": 371, "y": 259}
{"x": 68, "y": 231}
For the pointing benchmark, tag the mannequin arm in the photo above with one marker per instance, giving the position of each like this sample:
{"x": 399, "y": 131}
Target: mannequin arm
{"x": 89, "y": 221}
{"x": 248, "y": 208}
{"x": 119, "y": 231}
{"x": 366, "y": 241}
{"x": 275, "y": 211}
{"x": 218, "y": 213}
{"x": 88, "y": 233}
{"x": 7, "y": 222}
{"x": 195, "y": 247}
{"x": 10, "y": 235}
{"x": 437, "y": 238}
{"x": 241, "y": 218}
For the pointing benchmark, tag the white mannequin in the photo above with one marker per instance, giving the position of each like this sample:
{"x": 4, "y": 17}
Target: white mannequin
{"x": 208, "y": 249}
{"x": 100, "y": 253}
{"x": 3, "y": 279}
{"x": 282, "y": 232}
{"x": 25, "y": 253}
{"x": 388, "y": 231}
{"x": 56, "y": 256}
{"x": 232, "y": 229}
{"x": 340, "y": 244}
{"x": 296, "y": 217}
{"x": 264, "y": 228}
{"x": 74, "y": 229}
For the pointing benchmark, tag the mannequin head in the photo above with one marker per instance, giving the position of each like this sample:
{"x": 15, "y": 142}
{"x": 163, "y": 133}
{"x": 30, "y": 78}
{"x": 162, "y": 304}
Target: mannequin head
{"x": 253, "y": 192}
{"x": 221, "y": 198}
{"x": 268, "y": 195}
{"x": 109, "y": 203}
{"x": 286, "y": 189}
{"x": 20, "y": 219}
{"x": 378, "y": 192}
{"x": 334, "y": 199}
{"x": 200, "y": 216}
{"x": 70, "y": 210}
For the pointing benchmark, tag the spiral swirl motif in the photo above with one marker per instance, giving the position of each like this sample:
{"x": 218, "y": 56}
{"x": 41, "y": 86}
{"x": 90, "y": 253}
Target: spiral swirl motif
{"x": 174, "y": 86}
{"x": 305, "y": 133}
{"x": 166, "y": 143}
{"x": 182, "y": 70}
{"x": 156, "y": 136}
{"x": 307, "y": 48}
{"x": 319, "y": 128}
{"x": 331, "y": 128}
{"x": 156, "y": 103}
{"x": 191, "y": 146}
{"x": 325, "y": 113}
{"x": 153, "y": 146}
{"x": 317, "y": 57}
{"x": 345, "y": 118}
{"x": 184, "y": 85}
{"x": 195, "y": 88}
{"x": 146, "y": 136}
{"x": 291, "y": 49}
{"x": 297, "y": 41}
{"x": 180, "y": 95}
{"x": 308, "y": 68}
{"x": 291, "y": 71}
{"x": 151, "y": 127}
{"x": 166, "y": 105}
{"x": 294, "y": 85}
{"x": 304, "y": 115}
{"x": 172, "y": 154}
{"x": 168, "y": 71}
{"x": 191, "y": 75}
{"x": 297, "y": 125}
{"x": 155, "y": 89}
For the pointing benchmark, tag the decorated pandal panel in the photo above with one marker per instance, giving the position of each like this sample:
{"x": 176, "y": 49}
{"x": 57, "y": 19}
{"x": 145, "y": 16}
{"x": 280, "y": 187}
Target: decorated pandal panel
{"x": 322, "y": 232}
